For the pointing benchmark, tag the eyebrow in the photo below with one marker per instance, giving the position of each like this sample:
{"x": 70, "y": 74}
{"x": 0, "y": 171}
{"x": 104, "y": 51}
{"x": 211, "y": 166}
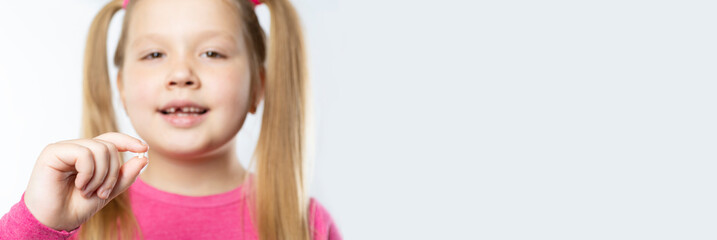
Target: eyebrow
{"x": 204, "y": 35}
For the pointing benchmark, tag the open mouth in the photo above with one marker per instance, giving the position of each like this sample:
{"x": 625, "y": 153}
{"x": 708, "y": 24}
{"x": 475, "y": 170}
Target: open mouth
{"x": 182, "y": 108}
{"x": 183, "y": 111}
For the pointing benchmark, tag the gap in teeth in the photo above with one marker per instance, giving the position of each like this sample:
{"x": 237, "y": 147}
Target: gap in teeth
{"x": 184, "y": 110}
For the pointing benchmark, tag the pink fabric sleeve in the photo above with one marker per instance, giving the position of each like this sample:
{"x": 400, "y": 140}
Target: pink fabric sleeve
{"x": 323, "y": 225}
{"x": 19, "y": 223}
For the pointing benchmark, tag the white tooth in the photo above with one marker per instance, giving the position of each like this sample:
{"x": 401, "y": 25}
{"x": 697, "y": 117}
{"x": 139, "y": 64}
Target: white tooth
{"x": 181, "y": 114}
{"x": 185, "y": 109}
{"x": 170, "y": 110}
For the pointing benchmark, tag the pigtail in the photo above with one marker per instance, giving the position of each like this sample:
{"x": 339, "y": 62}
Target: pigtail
{"x": 98, "y": 114}
{"x": 281, "y": 193}
{"x": 98, "y": 117}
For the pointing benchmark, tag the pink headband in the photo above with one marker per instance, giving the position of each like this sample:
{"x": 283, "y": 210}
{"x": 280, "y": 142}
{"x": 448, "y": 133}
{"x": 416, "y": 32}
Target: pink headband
{"x": 124, "y": 4}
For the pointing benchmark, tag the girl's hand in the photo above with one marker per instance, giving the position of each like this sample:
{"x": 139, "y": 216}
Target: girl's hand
{"x": 72, "y": 180}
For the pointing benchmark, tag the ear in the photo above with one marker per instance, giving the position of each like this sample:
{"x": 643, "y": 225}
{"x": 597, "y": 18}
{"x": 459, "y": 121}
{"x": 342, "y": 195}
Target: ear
{"x": 258, "y": 91}
{"x": 120, "y": 89}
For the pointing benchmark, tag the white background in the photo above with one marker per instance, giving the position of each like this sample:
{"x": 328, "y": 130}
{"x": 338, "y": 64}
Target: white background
{"x": 453, "y": 119}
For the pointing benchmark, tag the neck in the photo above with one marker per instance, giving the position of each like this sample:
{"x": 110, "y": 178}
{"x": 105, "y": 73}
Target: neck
{"x": 213, "y": 174}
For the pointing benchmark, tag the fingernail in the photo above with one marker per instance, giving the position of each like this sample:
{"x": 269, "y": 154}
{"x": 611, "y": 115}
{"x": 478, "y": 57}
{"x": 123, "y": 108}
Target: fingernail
{"x": 105, "y": 193}
{"x": 110, "y": 189}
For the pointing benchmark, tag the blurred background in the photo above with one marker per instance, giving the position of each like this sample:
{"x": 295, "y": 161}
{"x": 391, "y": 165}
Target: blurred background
{"x": 452, "y": 119}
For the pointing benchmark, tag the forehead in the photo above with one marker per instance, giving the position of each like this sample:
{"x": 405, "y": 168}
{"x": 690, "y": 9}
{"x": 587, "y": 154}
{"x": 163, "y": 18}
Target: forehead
{"x": 184, "y": 19}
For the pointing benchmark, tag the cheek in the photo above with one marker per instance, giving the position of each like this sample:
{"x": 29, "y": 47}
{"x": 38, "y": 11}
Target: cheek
{"x": 231, "y": 91}
{"x": 139, "y": 95}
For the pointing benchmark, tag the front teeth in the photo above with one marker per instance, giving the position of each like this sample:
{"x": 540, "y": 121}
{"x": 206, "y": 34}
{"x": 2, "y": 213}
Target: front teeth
{"x": 184, "y": 110}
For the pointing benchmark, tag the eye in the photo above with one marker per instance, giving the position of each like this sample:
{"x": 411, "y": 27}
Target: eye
{"x": 212, "y": 54}
{"x": 153, "y": 55}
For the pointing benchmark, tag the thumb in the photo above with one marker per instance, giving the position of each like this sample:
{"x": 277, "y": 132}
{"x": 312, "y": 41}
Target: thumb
{"x": 128, "y": 174}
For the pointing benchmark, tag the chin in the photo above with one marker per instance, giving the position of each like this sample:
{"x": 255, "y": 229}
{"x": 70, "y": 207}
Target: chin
{"x": 187, "y": 145}
{"x": 184, "y": 145}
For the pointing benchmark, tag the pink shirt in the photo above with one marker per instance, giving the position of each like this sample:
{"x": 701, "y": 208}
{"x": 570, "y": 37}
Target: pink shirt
{"x": 163, "y": 215}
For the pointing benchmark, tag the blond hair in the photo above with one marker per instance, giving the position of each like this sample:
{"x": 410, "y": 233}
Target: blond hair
{"x": 279, "y": 193}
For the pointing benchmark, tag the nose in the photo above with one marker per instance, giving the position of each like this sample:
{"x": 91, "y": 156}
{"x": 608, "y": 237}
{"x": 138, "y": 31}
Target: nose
{"x": 182, "y": 83}
{"x": 183, "y": 76}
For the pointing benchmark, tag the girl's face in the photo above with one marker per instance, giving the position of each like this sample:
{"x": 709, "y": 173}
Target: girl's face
{"x": 185, "y": 81}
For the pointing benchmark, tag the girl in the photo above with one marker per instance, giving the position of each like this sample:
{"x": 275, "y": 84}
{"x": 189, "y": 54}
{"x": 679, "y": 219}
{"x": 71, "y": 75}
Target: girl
{"x": 189, "y": 73}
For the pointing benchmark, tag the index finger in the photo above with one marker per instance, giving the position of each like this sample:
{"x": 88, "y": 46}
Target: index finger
{"x": 123, "y": 142}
